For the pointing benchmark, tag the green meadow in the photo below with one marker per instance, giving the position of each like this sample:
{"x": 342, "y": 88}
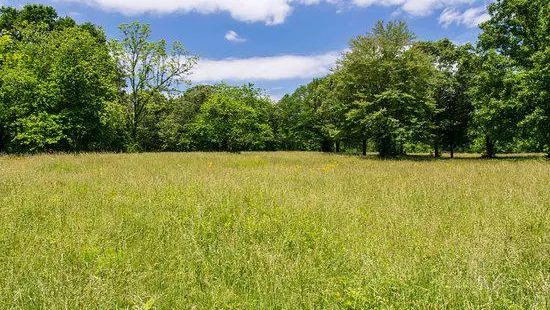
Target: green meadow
{"x": 273, "y": 231}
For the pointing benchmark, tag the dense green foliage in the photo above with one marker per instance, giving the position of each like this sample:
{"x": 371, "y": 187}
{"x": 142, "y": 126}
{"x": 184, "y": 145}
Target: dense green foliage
{"x": 233, "y": 119}
{"x": 452, "y": 115}
{"x": 517, "y": 42}
{"x": 151, "y": 72}
{"x": 65, "y": 87}
{"x": 58, "y": 86}
{"x": 385, "y": 84}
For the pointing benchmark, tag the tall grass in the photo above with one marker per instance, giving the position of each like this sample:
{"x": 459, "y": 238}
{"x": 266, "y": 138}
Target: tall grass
{"x": 272, "y": 231}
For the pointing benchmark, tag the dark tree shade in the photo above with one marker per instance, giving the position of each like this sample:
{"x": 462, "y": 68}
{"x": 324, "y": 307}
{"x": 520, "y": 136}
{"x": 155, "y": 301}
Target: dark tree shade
{"x": 453, "y": 107}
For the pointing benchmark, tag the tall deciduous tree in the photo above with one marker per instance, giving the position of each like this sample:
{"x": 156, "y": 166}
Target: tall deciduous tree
{"x": 7, "y": 56}
{"x": 496, "y": 109}
{"x": 296, "y": 128}
{"x": 86, "y": 79}
{"x": 233, "y": 119}
{"x": 520, "y": 31}
{"x": 181, "y": 112}
{"x": 149, "y": 68}
{"x": 328, "y": 111}
{"x": 56, "y": 87}
{"x": 385, "y": 84}
{"x": 453, "y": 107}
{"x": 308, "y": 119}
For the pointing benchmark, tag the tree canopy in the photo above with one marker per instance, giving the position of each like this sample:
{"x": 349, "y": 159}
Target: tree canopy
{"x": 65, "y": 87}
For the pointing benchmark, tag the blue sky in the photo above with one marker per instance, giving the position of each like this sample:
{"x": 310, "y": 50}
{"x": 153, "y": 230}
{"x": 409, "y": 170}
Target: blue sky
{"x": 275, "y": 44}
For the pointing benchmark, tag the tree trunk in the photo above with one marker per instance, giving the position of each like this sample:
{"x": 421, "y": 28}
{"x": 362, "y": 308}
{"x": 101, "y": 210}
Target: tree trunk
{"x": 1, "y": 140}
{"x": 489, "y": 148}
{"x": 388, "y": 148}
{"x": 337, "y": 144}
{"x": 326, "y": 145}
{"x": 436, "y": 149}
{"x": 452, "y": 149}
{"x": 364, "y": 147}
{"x": 133, "y": 133}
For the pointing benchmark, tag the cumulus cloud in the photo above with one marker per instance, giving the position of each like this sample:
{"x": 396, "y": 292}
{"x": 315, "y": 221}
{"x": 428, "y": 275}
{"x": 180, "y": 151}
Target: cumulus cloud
{"x": 414, "y": 7}
{"x": 270, "y": 12}
{"x": 264, "y": 68}
{"x": 232, "y": 36}
{"x": 470, "y": 18}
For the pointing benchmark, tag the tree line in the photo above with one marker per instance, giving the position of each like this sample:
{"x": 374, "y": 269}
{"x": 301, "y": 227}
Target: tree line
{"x": 65, "y": 87}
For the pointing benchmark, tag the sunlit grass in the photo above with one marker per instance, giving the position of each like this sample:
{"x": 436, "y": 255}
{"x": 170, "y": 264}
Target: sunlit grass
{"x": 272, "y": 231}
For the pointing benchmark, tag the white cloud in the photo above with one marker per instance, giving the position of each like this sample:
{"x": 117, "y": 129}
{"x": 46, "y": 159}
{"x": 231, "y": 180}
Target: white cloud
{"x": 469, "y": 18}
{"x": 232, "y": 36}
{"x": 270, "y": 12}
{"x": 264, "y": 68}
{"x": 414, "y": 7}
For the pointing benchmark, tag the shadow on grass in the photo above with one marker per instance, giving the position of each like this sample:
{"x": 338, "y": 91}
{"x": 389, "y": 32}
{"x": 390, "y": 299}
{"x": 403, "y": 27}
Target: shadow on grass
{"x": 463, "y": 156}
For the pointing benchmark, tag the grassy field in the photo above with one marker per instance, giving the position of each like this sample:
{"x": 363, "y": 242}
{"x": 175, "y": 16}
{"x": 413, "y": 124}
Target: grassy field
{"x": 272, "y": 231}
